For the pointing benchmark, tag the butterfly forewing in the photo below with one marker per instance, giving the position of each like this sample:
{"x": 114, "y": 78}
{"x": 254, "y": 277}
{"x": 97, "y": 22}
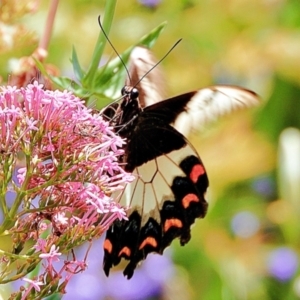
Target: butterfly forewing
{"x": 208, "y": 104}
{"x": 152, "y": 88}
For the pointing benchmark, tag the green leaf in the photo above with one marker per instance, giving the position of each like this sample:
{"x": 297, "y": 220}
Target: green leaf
{"x": 110, "y": 78}
{"x": 109, "y": 11}
{"x": 41, "y": 67}
{"x": 283, "y": 106}
{"x": 71, "y": 85}
{"x": 149, "y": 39}
{"x": 55, "y": 296}
{"x": 76, "y": 66}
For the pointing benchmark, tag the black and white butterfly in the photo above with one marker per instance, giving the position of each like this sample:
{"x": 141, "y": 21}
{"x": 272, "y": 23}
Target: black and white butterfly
{"x": 168, "y": 192}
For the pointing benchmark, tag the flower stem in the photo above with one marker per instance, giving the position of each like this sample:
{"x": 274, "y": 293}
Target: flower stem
{"x": 9, "y": 219}
{"x": 44, "y": 42}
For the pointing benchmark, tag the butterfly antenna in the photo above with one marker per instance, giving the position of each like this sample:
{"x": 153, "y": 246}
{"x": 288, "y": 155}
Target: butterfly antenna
{"x": 158, "y": 62}
{"x": 99, "y": 21}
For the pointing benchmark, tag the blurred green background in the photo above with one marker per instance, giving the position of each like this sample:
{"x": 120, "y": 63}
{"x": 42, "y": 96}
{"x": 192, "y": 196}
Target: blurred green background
{"x": 248, "y": 245}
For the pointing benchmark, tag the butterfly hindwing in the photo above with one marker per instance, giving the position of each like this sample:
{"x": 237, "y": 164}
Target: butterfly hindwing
{"x": 165, "y": 199}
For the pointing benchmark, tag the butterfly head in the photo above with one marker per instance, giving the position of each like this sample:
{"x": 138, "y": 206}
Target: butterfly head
{"x": 130, "y": 92}
{"x": 130, "y": 101}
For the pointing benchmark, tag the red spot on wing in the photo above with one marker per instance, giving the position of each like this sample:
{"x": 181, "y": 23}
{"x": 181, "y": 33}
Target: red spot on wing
{"x": 108, "y": 246}
{"x": 172, "y": 223}
{"x": 148, "y": 241}
{"x": 188, "y": 199}
{"x": 126, "y": 251}
{"x": 196, "y": 171}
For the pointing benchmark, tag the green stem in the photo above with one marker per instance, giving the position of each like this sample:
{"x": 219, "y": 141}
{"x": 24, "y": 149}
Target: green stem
{"x": 2, "y": 201}
{"x": 9, "y": 219}
{"x": 100, "y": 45}
{"x": 14, "y": 256}
{"x": 7, "y": 162}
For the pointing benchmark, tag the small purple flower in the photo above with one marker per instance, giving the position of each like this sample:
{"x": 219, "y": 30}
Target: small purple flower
{"x": 265, "y": 186}
{"x": 150, "y": 3}
{"x": 283, "y": 263}
{"x": 148, "y": 283}
{"x": 245, "y": 224}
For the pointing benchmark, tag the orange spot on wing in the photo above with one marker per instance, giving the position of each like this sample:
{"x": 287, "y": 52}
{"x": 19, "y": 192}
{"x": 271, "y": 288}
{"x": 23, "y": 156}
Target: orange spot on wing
{"x": 188, "y": 199}
{"x": 126, "y": 251}
{"x": 148, "y": 241}
{"x": 172, "y": 223}
{"x": 196, "y": 171}
{"x": 107, "y": 246}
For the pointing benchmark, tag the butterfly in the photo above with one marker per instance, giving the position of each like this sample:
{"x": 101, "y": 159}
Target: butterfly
{"x": 168, "y": 193}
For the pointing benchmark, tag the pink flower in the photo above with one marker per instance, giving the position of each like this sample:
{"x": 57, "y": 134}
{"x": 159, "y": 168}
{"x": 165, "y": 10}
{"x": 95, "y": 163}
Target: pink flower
{"x": 64, "y": 194}
{"x": 32, "y": 284}
{"x": 60, "y": 218}
{"x": 40, "y": 245}
{"x": 21, "y": 175}
{"x": 52, "y": 255}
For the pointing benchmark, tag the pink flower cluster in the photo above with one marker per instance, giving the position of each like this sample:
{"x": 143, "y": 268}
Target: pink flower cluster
{"x": 61, "y": 161}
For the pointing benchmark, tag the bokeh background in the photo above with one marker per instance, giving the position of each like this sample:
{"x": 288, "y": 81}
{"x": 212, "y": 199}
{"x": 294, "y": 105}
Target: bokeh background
{"x": 248, "y": 245}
